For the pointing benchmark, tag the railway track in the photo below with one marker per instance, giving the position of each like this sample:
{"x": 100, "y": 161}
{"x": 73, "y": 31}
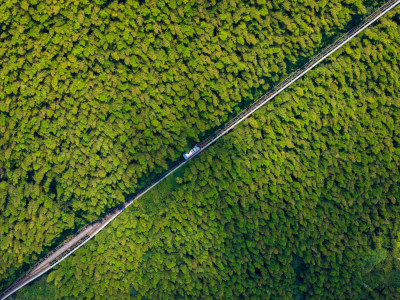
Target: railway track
{"x": 89, "y": 231}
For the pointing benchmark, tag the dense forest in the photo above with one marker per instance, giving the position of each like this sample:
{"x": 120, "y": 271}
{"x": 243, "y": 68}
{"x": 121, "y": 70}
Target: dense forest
{"x": 299, "y": 201}
{"x": 96, "y": 96}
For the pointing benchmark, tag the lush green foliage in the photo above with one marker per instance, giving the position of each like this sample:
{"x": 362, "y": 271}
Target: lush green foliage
{"x": 39, "y": 290}
{"x": 301, "y": 200}
{"x": 381, "y": 274}
{"x": 96, "y": 94}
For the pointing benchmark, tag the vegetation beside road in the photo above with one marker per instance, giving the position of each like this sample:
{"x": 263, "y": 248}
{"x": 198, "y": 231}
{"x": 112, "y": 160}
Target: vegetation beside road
{"x": 97, "y": 95}
{"x": 301, "y": 200}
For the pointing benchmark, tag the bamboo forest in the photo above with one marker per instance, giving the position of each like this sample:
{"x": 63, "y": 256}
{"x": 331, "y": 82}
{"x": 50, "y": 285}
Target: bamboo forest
{"x": 299, "y": 201}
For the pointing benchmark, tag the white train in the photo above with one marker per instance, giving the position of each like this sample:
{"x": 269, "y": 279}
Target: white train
{"x": 192, "y": 151}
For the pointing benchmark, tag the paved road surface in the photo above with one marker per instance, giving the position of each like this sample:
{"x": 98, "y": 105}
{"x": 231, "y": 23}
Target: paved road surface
{"x": 86, "y": 233}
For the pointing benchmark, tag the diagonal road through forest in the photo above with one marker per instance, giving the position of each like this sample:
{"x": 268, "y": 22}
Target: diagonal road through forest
{"x": 89, "y": 231}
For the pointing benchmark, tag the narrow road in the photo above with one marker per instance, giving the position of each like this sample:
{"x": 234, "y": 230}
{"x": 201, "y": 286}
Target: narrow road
{"x": 85, "y": 234}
